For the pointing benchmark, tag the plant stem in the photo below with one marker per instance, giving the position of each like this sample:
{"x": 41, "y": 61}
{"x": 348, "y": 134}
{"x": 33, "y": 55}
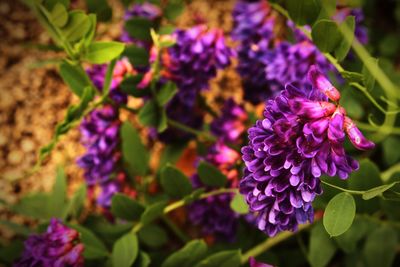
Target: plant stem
{"x": 188, "y": 129}
{"x": 269, "y": 243}
{"x": 385, "y": 176}
{"x": 353, "y": 192}
{"x": 180, "y": 203}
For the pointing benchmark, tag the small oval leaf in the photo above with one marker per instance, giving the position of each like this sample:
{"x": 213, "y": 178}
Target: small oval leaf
{"x": 210, "y": 175}
{"x": 125, "y": 250}
{"x": 339, "y": 214}
{"x": 326, "y": 35}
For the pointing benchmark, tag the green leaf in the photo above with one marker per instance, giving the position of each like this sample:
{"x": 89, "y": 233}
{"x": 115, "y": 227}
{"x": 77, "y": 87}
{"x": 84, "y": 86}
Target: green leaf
{"x": 230, "y": 258}
{"x": 94, "y": 247}
{"x": 101, "y": 8}
{"x": 377, "y": 191}
{"x": 166, "y": 93}
{"x": 59, "y": 15}
{"x": 58, "y": 196}
{"x": 134, "y": 153}
{"x": 166, "y": 29}
{"x": 348, "y": 241}
{"x": 139, "y": 28}
{"x": 152, "y": 212}
{"x": 171, "y": 154}
{"x": 149, "y": 114}
{"x": 173, "y": 10}
{"x": 108, "y": 232}
{"x": 75, "y": 205}
{"x": 380, "y": 247}
{"x": 125, "y": 250}
{"x": 89, "y": 36}
{"x": 344, "y": 46}
{"x": 322, "y": 248}
{"x": 174, "y": 182}
{"x": 303, "y": 11}
{"x": 339, "y": 214}
{"x": 129, "y": 86}
{"x": 138, "y": 56}
{"x": 103, "y": 52}
{"x": 163, "y": 120}
{"x": 239, "y": 205}
{"x": 210, "y": 175}
{"x": 78, "y": 25}
{"x": 126, "y": 208}
{"x": 326, "y": 35}
{"x": 153, "y": 236}
{"x": 187, "y": 256}
{"x": 369, "y": 80}
{"x": 143, "y": 260}
{"x": 368, "y": 176}
{"x": 75, "y": 77}
{"x": 34, "y": 206}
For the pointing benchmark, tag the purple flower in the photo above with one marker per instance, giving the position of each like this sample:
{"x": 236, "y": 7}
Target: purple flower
{"x": 254, "y": 23}
{"x": 58, "y": 246}
{"x": 300, "y": 138}
{"x": 289, "y": 63}
{"x": 145, "y": 10}
{"x": 254, "y": 263}
{"x": 100, "y": 136}
{"x": 194, "y": 60}
{"x": 230, "y": 125}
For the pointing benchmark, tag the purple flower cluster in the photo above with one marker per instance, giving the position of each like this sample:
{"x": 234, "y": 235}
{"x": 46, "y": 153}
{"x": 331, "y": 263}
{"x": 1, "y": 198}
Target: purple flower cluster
{"x": 100, "y": 134}
{"x": 288, "y": 64}
{"x": 300, "y": 138}
{"x": 195, "y": 59}
{"x": 145, "y": 10}
{"x": 253, "y": 28}
{"x": 214, "y": 214}
{"x": 191, "y": 63}
{"x": 58, "y": 246}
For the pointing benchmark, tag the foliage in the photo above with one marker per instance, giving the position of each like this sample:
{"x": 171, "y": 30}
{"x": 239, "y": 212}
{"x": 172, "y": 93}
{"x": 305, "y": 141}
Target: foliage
{"x": 146, "y": 221}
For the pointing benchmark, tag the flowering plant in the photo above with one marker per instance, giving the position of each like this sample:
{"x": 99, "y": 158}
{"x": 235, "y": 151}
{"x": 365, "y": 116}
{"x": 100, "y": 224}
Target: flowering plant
{"x": 182, "y": 168}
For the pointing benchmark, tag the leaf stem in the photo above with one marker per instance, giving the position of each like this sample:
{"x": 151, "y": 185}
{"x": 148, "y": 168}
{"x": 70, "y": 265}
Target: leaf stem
{"x": 188, "y": 129}
{"x": 353, "y": 192}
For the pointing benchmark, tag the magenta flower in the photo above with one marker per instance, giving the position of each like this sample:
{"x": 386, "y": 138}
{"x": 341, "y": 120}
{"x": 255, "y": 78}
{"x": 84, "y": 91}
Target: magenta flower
{"x": 300, "y": 138}
{"x": 58, "y": 246}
